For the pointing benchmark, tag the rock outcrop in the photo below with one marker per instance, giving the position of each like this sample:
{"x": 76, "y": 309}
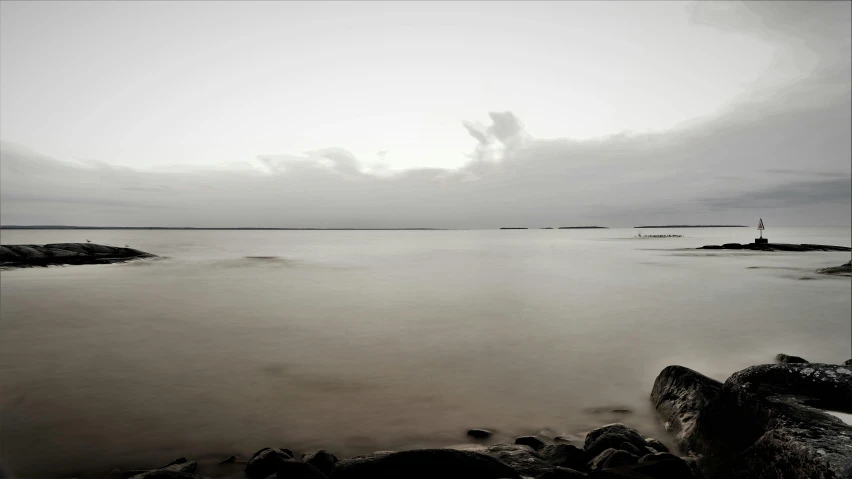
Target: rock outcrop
{"x": 778, "y": 247}
{"x": 842, "y": 270}
{"x": 28, "y": 255}
{"x": 765, "y": 421}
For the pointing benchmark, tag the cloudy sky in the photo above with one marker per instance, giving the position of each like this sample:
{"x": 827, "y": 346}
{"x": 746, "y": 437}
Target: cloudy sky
{"x": 439, "y": 114}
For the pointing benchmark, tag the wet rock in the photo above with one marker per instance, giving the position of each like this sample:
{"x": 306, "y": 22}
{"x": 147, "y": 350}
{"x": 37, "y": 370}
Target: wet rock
{"x": 660, "y": 456}
{"x": 682, "y": 398}
{"x": 229, "y": 460}
{"x": 479, "y": 433}
{"x": 292, "y": 469}
{"x": 323, "y": 460}
{"x": 266, "y": 461}
{"x": 611, "y": 436}
{"x": 23, "y": 256}
{"x": 656, "y": 445}
{"x": 179, "y": 466}
{"x": 626, "y": 446}
{"x": 785, "y": 359}
{"x": 764, "y": 418}
{"x": 848, "y": 362}
{"x": 564, "y": 455}
{"x": 424, "y": 464}
{"x": 530, "y": 441}
{"x": 646, "y": 470}
{"x": 562, "y": 473}
{"x": 522, "y": 459}
{"x": 167, "y": 474}
{"x": 612, "y": 458}
{"x": 842, "y": 270}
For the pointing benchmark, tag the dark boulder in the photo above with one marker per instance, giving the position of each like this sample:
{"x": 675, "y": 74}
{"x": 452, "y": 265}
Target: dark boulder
{"x": 765, "y": 419}
{"x": 611, "y": 436}
{"x": 564, "y": 455}
{"x": 530, "y": 441}
{"x": 322, "y": 460}
{"x": 479, "y": 433}
{"x": 522, "y": 459}
{"x": 562, "y": 473}
{"x": 265, "y": 462}
{"x": 292, "y": 469}
{"x": 660, "y": 456}
{"x": 646, "y": 470}
{"x": 682, "y": 398}
{"x": 626, "y": 446}
{"x": 848, "y": 362}
{"x": 612, "y": 458}
{"x": 785, "y": 359}
{"x": 424, "y": 464}
{"x": 656, "y": 445}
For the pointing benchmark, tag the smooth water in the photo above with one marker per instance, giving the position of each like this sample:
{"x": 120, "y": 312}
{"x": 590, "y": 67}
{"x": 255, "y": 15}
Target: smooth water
{"x": 358, "y": 341}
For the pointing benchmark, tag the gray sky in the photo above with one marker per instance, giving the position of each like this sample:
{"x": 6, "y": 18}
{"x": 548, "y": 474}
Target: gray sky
{"x": 440, "y": 114}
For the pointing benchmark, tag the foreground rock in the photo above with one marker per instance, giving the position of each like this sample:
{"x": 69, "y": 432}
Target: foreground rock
{"x": 764, "y": 421}
{"x": 25, "y": 256}
{"x": 424, "y": 464}
{"x": 842, "y": 270}
{"x": 778, "y": 247}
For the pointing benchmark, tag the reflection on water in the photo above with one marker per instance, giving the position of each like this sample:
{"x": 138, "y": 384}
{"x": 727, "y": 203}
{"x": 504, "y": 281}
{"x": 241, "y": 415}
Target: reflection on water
{"x": 357, "y": 341}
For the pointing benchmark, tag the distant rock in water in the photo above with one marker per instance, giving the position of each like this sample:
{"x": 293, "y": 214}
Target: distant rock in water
{"x": 785, "y": 359}
{"x": 778, "y": 247}
{"x": 842, "y": 270}
{"x": 28, "y": 255}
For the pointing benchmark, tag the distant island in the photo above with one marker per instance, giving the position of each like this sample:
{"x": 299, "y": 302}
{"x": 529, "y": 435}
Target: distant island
{"x": 514, "y": 228}
{"x": 693, "y": 226}
{"x": 583, "y": 228}
{"x": 63, "y": 227}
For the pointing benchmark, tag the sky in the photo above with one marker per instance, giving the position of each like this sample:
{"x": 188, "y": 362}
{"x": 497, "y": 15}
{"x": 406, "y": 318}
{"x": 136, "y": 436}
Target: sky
{"x": 425, "y": 114}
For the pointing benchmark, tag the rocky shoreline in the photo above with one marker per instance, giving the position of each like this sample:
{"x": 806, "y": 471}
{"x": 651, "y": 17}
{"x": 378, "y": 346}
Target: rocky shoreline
{"x": 29, "y": 255}
{"x": 766, "y": 421}
{"x": 777, "y": 247}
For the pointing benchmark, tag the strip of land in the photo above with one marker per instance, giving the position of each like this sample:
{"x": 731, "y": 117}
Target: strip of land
{"x": 692, "y": 226}
{"x": 30, "y": 255}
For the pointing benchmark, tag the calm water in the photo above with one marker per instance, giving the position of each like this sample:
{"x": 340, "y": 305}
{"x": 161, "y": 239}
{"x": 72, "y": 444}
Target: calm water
{"x": 366, "y": 340}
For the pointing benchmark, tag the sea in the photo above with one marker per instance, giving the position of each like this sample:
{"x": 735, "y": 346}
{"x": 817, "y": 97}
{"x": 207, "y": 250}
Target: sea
{"x": 358, "y": 341}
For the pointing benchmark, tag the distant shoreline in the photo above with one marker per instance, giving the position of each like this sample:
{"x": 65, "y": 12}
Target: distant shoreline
{"x": 694, "y": 226}
{"x": 17, "y": 227}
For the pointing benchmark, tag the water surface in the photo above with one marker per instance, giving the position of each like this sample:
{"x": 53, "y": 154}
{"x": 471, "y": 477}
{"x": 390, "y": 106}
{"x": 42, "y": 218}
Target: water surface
{"x": 364, "y": 340}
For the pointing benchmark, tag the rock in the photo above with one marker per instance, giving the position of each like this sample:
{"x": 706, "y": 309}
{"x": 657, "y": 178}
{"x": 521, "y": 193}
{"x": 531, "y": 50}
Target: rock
{"x": 681, "y": 397}
{"x": 265, "y": 462}
{"x": 647, "y": 470}
{"x": 842, "y": 270}
{"x": 522, "y": 459}
{"x": 292, "y": 469}
{"x": 229, "y": 460}
{"x": 660, "y": 456}
{"x": 611, "y": 436}
{"x": 778, "y": 247}
{"x": 424, "y": 464}
{"x": 564, "y": 455}
{"x": 323, "y": 460}
{"x": 167, "y": 474}
{"x": 530, "y": 441}
{"x": 562, "y": 473}
{"x": 612, "y": 458}
{"x": 656, "y": 445}
{"x": 626, "y": 446}
{"x": 848, "y": 362}
{"x": 479, "y": 433}
{"x": 783, "y": 358}
{"x": 178, "y": 466}
{"x": 23, "y": 256}
{"x": 763, "y": 418}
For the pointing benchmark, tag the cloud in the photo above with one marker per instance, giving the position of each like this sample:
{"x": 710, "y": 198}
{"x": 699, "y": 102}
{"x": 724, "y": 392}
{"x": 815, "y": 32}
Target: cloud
{"x": 784, "y": 148}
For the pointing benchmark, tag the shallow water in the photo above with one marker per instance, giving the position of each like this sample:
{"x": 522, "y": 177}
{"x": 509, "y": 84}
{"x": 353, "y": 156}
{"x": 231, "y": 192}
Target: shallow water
{"x": 365, "y": 340}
